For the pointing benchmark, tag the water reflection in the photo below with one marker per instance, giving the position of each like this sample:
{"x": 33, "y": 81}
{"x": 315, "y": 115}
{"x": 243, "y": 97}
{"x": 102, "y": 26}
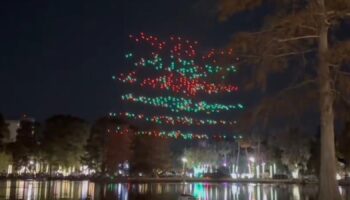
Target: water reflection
{"x": 163, "y": 191}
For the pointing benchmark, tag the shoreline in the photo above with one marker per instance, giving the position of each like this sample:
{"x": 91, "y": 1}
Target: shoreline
{"x": 172, "y": 180}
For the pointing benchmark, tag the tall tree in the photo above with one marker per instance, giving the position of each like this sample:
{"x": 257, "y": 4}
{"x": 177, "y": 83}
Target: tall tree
{"x": 64, "y": 138}
{"x": 151, "y": 155}
{"x": 26, "y": 146}
{"x": 295, "y": 150}
{"x": 202, "y": 156}
{"x": 6, "y": 160}
{"x": 298, "y": 31}
{"x": 109, "y": 144}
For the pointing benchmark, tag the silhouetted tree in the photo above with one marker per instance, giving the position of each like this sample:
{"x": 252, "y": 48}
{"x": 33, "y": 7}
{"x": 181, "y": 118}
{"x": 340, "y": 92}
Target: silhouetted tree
{"x": 108, "y": 144}
{"x": 151, "y": 155}
{"x": 202, "y": 156}
{"x": 314, "y": 161}
{"x": 64, "y": 138}
{"x": 295, "y": 149}
{"x": 344, "y": 145}
{"x": 6, "y": 160}
{"x": 26, "y": 146}
{"x": 296, "y": 34}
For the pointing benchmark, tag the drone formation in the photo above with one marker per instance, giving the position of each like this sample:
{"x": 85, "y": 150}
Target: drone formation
{"x": 176, "y": 67}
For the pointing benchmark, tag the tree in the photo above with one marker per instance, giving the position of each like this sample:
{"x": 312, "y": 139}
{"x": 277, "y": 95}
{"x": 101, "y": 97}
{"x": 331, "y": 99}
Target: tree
{"x": 344, "y": 143}
{"x": 225, "y": 149}
{"x": 64, "y": 138}
{"x": 314, "y": 161}
{"x": 296, "y": 33}
{"x": 109, "y": 144}
{"x": 6, "y": 160}
{"x": 4, "y": 131}
{"x": 202, "y": 159}
{"x": 26, "y": 146}
{"x": 295, "y": 150}
{"x": 151, "y": 155}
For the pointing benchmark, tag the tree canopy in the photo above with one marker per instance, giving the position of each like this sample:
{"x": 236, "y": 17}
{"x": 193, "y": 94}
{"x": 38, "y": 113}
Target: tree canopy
{"x": 151, "y": 155}
{"x": 298, "y": 39}
{"x": 107, "y": 146}
{"x": 63, "y": 140}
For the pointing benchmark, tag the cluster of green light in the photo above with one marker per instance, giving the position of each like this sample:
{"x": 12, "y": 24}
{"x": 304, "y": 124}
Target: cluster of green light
{"x": 188, "y": 135}
{"x": 186, "y": 67}
{"x": 175, "y": 104}
{"x": 216, "y": 69}
{"x": 129, "y": 55}
{"x": 176, "y": 120}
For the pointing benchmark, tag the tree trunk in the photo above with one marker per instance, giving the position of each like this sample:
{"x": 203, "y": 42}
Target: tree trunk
{"x": 328, "y": 189}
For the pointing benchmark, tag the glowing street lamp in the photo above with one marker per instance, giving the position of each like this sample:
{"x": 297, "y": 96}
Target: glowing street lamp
{"x": 252, "y": 159}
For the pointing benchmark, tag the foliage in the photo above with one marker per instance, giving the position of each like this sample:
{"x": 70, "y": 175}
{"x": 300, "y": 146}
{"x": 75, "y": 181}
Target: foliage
{"x": 63, "y": 140}
{"x": 296, "y": 35}
{"x": 344, "y": 143}
{"x": 295, "y": 149}
{"x": 198, "y": 156}
{"x": 107, "y": 148}
{"x": 6, "y": 160}
{"x": 150, "y": 155}
{"x": 314, "y": 161}
{"x": 26, "y": 146}
{"x": 225, "y": 150}
{"x": 287, "y": 44}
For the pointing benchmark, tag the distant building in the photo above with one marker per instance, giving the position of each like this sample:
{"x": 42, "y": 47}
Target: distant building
{"x": 13, "y": 125}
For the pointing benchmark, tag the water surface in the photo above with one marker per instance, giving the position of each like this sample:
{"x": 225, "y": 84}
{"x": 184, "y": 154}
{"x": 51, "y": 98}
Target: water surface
{"x": 155, "y": 191}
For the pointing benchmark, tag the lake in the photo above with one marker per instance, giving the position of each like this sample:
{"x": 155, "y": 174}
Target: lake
{"x": 155, "y": 191}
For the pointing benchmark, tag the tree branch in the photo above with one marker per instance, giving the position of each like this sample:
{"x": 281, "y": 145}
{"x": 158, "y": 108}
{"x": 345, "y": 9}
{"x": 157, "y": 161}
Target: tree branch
{"x": 297, "y": 86}
{"x": 308, "y": 27}
{"x": 292, "y": 53}
{"x": 298, "y": 38}
{"x": 345, "y": 99}
{"x": 343, "y": 73}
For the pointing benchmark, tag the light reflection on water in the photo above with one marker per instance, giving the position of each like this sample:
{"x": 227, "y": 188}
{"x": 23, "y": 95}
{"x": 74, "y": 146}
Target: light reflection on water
{"x": 28, "y": 190}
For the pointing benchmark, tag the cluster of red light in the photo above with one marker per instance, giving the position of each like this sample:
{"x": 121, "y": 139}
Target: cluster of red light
{"x": 178, "y": 46}
{"x": 183, "y": 47}
{"x": 152, "y": 40}
{"x": 175, "y": 83}
{"x": 182, "y": 84}
{"x": 178, "y": 120}
{"x": 174, "y": 134}
{"x": 128, "y": 78}
{"x": 214, "y": 52}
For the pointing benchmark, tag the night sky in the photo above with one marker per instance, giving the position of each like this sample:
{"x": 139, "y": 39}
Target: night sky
{"x": 57, "y": 57}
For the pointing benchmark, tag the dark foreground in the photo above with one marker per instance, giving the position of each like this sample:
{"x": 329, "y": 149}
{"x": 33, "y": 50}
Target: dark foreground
{"x": 60, "y": 189}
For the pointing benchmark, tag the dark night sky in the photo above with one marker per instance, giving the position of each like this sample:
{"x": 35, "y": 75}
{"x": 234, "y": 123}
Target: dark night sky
{"x": 59, "y": 56}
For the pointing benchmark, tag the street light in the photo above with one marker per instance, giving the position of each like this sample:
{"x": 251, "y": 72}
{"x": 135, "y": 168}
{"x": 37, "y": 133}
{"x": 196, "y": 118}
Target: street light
{"x": 252, "y": 159}
{"x": 184, "y": 161}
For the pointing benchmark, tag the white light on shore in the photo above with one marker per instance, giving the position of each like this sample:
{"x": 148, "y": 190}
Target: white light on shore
{"x": 338, "y": 177}
{"x": 234, "y": 175}
{"x": 258, "y": 171}
{"x": 9, "y": 169}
